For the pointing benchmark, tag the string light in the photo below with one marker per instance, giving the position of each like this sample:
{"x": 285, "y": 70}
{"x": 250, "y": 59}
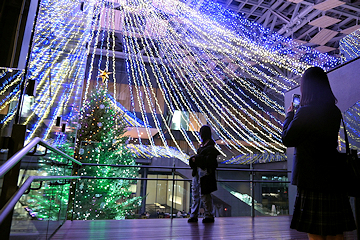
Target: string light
{"x": 149, "y": 100}
{"x": 208, "y": 50}
{"x": 349, "y": 45}
{"x": 215, "y": 97}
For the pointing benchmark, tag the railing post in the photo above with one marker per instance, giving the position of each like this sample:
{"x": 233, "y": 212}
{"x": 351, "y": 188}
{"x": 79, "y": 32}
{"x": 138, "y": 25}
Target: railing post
{"x": 173, "y": 189}
{"x": 10, "y": 180}
{"x": 357, "y": 215}
{"x": 73, "y": 198}
{"x": 252, "y": 189}
{"x": 143, "y": 190}
{"x": 71, "y": 201}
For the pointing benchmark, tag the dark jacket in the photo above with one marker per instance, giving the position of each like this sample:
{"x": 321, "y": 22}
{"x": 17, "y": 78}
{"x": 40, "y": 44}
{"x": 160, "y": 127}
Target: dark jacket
{"x": 313, "y": 131}
{"x": 206, "y": 159}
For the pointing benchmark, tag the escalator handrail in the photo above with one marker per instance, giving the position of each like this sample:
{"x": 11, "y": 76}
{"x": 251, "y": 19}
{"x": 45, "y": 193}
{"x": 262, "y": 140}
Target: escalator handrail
{"x": 20, "y": 154}
{"x": 9, "y": 206}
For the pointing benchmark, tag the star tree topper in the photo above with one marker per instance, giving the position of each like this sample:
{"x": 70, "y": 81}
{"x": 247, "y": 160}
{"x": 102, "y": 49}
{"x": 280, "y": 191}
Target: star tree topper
{"x": 104, "y": 75}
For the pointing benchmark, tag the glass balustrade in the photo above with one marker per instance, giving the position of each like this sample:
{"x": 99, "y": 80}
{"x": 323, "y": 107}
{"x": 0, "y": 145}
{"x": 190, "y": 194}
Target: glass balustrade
{"x": 40, "y": 211}
{"x": 158, "y": 196}
{"x": 133, "y": 191}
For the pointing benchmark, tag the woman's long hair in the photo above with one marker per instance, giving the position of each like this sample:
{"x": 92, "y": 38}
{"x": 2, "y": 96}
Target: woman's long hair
{"x": 315, "y": 88}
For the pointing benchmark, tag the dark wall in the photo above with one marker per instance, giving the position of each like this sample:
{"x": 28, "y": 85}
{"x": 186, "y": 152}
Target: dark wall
{"x": 13, "y": 16}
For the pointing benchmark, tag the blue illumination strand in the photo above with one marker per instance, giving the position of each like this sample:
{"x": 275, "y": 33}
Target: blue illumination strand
{"x": 350, "y": 46}
{"x": 139, "y": 122}
{"x": 261, "y": 36}
{"x": 9, "y": 80}
{"x": 11, "y": 95}
{"x": 65, "y": 95}
{"x": 179, "y": 50}
{"x": 46, "y": 53}
{"x": 256, "y": 158}
{"x": 129, "y": 70}
{"x": 140, "y": 74}
{"x": 163, "y": 152}
{"x": 237, "y": 103}
{"x": 101, "y": 49}
{"x": 149, "y": 84}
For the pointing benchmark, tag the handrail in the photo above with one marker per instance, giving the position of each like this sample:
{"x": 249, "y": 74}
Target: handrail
{"x": 20, "y": 154}
{"x": 183, "y": 179}
{"x": 188, "y": 168}
{"x": 45, "y": 144}
{"x": 15, "y": 198}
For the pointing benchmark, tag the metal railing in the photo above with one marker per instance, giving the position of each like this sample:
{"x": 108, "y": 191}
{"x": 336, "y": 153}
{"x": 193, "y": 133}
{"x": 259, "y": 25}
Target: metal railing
{"x": 10, "y": 163}
{"x": 251, "y": 180}
{"x": 6, "y": 167}
{"x": 5, "y": 211}
{"x": 9, "y": 200}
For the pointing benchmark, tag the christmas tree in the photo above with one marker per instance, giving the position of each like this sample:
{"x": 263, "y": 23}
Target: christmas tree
{"x": 50, "y": 201}
{"x": 101, "y": 140}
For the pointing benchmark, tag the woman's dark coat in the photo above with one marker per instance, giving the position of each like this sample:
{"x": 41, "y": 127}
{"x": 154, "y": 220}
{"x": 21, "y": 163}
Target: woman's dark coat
{"x": 313, "y": 131}
{"x": 206, "y": 159}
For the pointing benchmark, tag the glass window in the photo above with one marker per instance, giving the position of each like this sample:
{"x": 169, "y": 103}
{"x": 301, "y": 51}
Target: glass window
{"x": 180, "y": 120}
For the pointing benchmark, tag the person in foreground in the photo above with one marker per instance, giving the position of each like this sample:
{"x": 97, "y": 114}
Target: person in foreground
{"x": 322, "y": 209}
{"x": 203, "y": 164}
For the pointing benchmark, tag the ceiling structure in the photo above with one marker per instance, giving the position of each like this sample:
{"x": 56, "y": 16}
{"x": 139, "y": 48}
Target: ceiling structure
{"x": 315, "y": 23}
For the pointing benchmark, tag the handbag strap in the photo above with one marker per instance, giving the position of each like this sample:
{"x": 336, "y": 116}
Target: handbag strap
{"x": 346, "y": 137}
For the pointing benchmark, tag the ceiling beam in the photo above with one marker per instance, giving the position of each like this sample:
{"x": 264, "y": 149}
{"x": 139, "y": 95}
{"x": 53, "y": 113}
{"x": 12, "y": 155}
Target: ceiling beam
{"x": 253, "y": 9}
{"x": 266, "y": 22}
{"x": 298, "y": 20}
{"x": 295, "y": 13}
{"x": 345, "y": 13}
{"x": 263, "y": 17}
{"x": 307, "y": 32}
{"x": 281, "y": 16}
{"x": 273, "y": 23}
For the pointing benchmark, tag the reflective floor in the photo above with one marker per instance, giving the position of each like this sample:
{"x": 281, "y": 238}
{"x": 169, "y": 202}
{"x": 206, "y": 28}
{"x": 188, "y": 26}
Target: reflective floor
{"x": 178, "y": 228}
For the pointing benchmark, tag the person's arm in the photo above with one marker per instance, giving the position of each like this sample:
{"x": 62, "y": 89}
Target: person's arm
{"x": 295, "y": 128}
{"x": 192, "y": 163}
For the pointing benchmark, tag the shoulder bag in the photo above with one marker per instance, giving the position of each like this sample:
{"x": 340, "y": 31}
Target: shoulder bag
{"x": 351, "y": 168}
